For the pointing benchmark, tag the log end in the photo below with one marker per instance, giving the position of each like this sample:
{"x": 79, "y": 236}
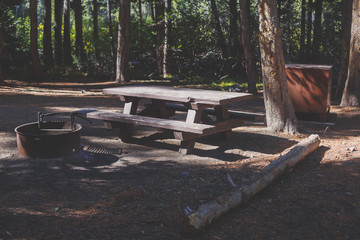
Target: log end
{"x": 189, "y": 228}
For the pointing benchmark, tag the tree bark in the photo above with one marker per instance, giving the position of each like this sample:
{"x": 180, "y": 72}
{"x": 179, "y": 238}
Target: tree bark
{"x": 1, "y": 51}
{"x": 152, "y": 11}
{"x": 79, "y": 40}
{"x": 68, "y": 60}
{"x": 58, "y": 54}
{"x": 36, "y": 67}
{"x": 246, "y": 41}
{"x": 280, "y": 114}
{"x": 96, "y": 27}
{"x": 160, "y": 30}
{"x": 47, "y": 43}
{"x": 140, "y": 21}
{"x": 351, "y": 95}
{"x": 123, "y": 49}
{"x": 233, "y": 31}
{"x": 214, "y": 209}
{"x": 302, "y": 34}
{"x": 346, "y": 13}
{"x": 166, "y": 39}
{"x": 309, "y": 31}
{"x": 317, "y": 32}
{"x": 220, "y": 35}
{"x": 111, "y": 33}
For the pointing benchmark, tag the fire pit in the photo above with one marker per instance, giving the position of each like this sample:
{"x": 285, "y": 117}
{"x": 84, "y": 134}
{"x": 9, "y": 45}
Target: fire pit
{"x": 47, "y": 139}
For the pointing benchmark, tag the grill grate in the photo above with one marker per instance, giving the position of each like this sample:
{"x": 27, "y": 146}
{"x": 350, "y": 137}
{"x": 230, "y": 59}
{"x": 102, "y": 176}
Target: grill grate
{"x": 100, "y": 150}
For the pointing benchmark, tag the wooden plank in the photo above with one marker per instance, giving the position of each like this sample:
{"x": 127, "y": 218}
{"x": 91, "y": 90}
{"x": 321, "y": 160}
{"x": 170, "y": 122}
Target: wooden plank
{"x": 193, "y": 116}
{"x": 179, "y": 94}
{"x": 234, "y": 114}
{"x": 152, "y": 122}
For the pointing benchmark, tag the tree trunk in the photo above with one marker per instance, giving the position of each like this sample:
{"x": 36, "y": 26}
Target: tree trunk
{"x": 36, "y": 67}
{"x": 160, "y": 30}
{"x": 280, "y": 114}
{"x": 220, "y": 35}
{"x": 1, "y": 51}
{"x": 79, "y": 40}
{"x": 111, "y": 33}
{"x": 140, "y": 21}
{"x": 214, "y": 209}
{"x": 309, "y": 31}
{"x": 47, "y": 43}
{"x": 169, "y": 11}
{"x": 346, "y": 13}
{"x": 96, "y": 28}
{"x": 233, "y": 31}
{"x": 302, "y": 36}
{"x": 58, "y": 38}
{"x": 123, "y": 49}
{"x": 152, "y": 11}
{"x": 351, "y": 95}
{"x": 317, "y": 32}
{"x": 68, "y": 60}
{"x": 166, "y": 39}
{"x": 246, "y": 41}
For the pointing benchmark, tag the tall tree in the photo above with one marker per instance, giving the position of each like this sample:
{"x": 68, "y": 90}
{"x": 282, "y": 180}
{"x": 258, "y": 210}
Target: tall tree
{"x": 233, "y": 30}
{"x": 302, "y": 29}
{"x": 346, "y": 14}
{"x": 79, "y": 39}
{"x": 96, "y": 27}
{"x": 58, "y": 55}
{"x": 166, "y": 38}
{"x": 34, "y": 52}
{"x": 280, "y": 114}
{"x": 351, "y": 95}
{"x": 309, "y": 31}
{"x": 47, "y": 43}
{"x": 317, "y": 32}
{"x": 152, "y": 11}
{"x": 160, "y": 30}
{"x": 123, "y": 48}
{"x": 111, "y": 33}
{"x": 68, "y": 60}
{"x": 1, "y": 51}
{"x": 246, "y": 41}
{"x": 220, "y": 35}
{"x": 140, "y": 21}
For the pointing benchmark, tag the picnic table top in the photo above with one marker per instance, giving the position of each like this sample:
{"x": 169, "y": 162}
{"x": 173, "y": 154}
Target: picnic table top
{"x": 185, "y": 95}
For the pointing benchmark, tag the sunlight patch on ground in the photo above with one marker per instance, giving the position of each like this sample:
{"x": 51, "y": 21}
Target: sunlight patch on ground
{"x": 47, "y": 92}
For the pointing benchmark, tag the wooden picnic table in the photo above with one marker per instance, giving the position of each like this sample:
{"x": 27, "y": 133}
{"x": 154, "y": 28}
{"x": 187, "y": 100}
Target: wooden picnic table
{"x": 198, "y": 104}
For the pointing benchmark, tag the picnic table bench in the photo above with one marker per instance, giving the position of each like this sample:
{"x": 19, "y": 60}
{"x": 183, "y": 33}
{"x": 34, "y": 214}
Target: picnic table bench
{"x": 165, "y": 101}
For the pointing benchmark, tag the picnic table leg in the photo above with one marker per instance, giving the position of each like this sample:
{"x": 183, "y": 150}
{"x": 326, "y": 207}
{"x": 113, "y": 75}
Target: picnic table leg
{"x": 193, "y": 116}
{"x": 222, "y": 113}
{"x": 130, "y": 107}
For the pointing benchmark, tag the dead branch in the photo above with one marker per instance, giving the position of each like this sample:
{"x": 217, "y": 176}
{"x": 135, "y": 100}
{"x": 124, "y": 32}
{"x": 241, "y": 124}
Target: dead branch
{"x": 214, "y": 209}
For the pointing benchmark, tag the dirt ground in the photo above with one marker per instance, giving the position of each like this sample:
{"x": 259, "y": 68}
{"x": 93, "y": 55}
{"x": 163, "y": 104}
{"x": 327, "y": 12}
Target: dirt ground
{"x": 139, "y": 190}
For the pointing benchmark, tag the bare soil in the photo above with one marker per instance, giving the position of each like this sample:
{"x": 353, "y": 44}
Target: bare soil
{"x": 139, "y": 190}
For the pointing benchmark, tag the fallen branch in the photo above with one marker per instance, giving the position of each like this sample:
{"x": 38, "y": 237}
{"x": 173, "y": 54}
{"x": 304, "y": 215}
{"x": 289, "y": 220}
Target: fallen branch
{"x": 214, "y": 209}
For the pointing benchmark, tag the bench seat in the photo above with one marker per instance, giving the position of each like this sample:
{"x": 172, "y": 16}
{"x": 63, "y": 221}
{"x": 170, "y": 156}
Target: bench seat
{"x": 170, "y": 124}
{"x": 233, "y": 114}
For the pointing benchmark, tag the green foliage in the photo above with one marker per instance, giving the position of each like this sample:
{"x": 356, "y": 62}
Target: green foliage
{"x": 193, "y": 54}
{"x": 16, "y": 40}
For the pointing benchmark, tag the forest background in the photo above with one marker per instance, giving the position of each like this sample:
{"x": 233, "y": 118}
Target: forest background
{"x": 203, "y": 42}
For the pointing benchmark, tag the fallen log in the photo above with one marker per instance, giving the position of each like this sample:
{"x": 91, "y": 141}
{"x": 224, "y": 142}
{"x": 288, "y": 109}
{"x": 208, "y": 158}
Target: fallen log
{"x": 214, "y": 209}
